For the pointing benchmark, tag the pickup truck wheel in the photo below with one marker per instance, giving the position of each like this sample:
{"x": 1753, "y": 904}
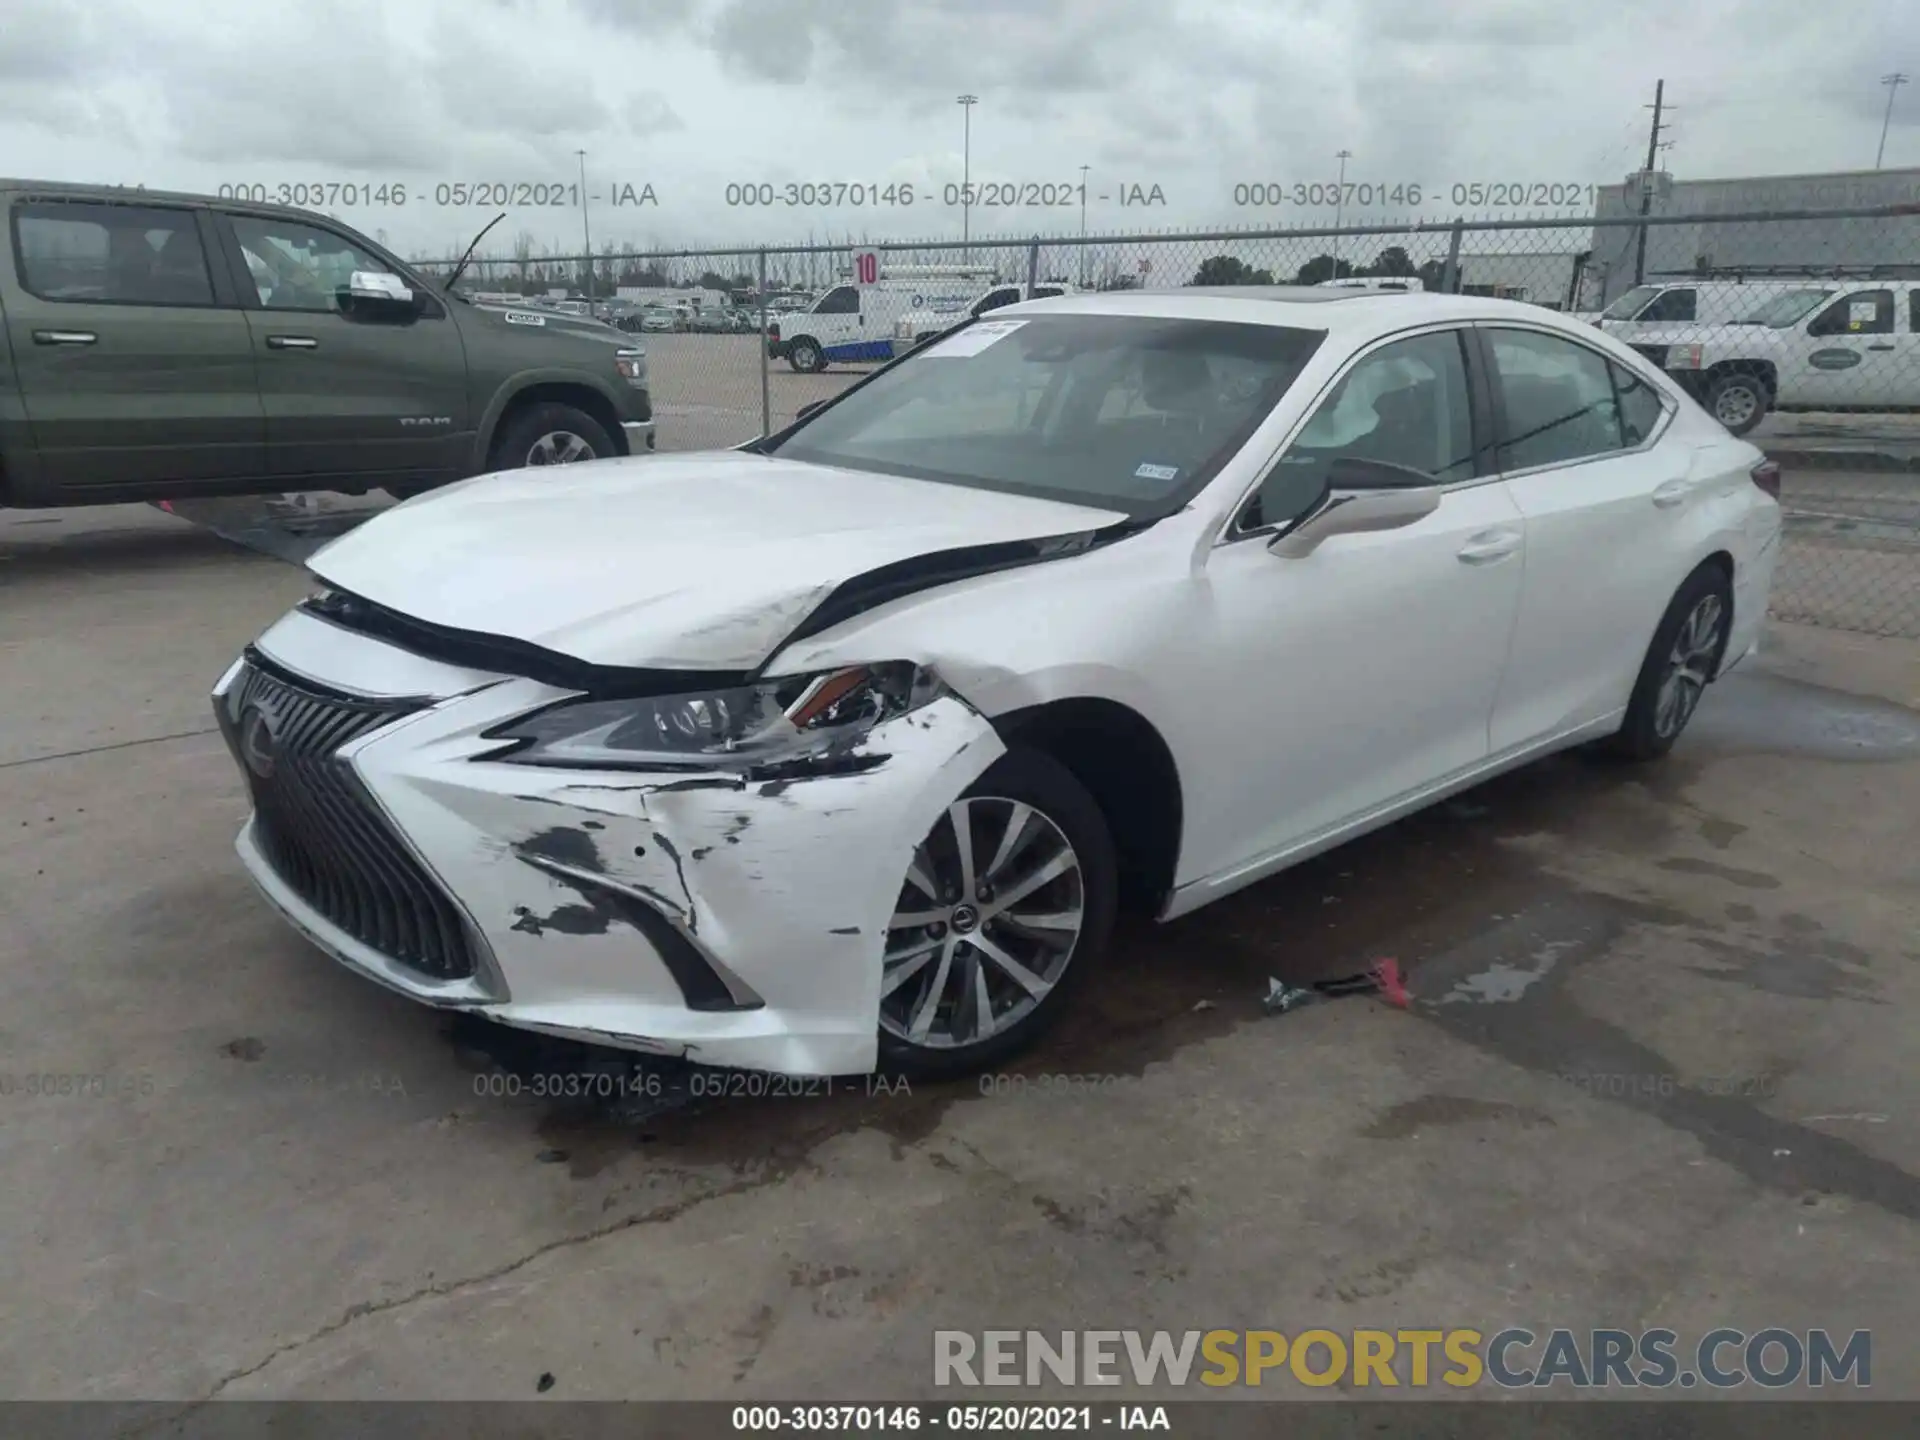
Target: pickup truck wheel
{"x": 806, "y": 357}
{"x": 551, "y": 434}
{"x": 1738, "y": 401}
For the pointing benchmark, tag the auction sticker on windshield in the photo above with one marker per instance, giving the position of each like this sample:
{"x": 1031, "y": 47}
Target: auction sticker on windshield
{"x": 975, "y": 338}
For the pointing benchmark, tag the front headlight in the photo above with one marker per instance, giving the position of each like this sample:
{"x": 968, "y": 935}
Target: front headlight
{"x": 798, "y": 718}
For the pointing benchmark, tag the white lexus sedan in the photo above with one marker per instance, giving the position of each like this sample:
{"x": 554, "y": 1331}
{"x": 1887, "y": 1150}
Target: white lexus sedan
{"x": 840, "y": 750}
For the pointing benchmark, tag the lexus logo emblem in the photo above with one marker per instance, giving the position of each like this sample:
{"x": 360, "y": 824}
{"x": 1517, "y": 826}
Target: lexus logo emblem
{"x": 257, "y": 743}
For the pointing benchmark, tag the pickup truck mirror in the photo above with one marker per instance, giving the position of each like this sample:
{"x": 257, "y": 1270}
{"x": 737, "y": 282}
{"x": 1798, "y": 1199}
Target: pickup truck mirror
{"x": 375, "y": 295}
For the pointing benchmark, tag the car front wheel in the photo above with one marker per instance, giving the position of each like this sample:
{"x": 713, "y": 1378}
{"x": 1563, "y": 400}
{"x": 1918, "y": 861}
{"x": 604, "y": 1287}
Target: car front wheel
{"x": 551, "y": 434}
{"x": 806, "y": 357}
{"x": 1006, "y": 906}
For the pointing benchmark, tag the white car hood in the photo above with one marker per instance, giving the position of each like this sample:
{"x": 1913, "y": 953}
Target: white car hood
{"x": 681, "y": 562}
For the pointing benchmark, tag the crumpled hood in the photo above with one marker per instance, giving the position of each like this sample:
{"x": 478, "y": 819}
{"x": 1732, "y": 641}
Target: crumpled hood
{"x": 680, "y": 562}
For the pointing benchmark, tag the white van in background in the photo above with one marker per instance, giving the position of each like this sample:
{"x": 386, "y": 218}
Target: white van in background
{"x": 917, "y": 327}
{"x": 854, "y": 323}
{"x": 1642, "y": 312}
{"x": 1374, "y": 282}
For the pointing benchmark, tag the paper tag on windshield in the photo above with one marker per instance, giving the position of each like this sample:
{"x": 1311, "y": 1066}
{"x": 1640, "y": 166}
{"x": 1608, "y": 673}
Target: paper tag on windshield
{"x": 1157, "y": 472}
{"x": 1862, "y": 312}
{"x": 975, "y": 338}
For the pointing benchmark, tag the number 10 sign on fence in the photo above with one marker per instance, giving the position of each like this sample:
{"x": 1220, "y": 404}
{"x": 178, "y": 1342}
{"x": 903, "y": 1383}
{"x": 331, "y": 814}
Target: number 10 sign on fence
{"x": 866, "y": 267}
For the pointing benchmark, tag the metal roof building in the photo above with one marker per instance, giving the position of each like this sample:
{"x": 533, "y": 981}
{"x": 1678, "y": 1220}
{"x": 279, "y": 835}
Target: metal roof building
{"x": 1889, "y": 245}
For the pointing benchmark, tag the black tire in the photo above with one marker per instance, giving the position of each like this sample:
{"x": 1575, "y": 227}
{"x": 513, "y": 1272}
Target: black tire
{"x": 806, "y": 356}
{"x": 514, "y": 447}
{"x": 1742, "y": 396}
{"x": 1035, "y": 779}
{"x": 1649, "y": 731}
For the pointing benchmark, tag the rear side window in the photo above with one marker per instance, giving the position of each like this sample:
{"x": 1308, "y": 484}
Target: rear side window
{"x": 995, "y": 300}
{"x": 1640, "y": 407}
{"x": 1047, "y": 292}
{"x": 110, "y": 254}
{"x": 1676, "y": 304}
{"x": 1559, "y": 400}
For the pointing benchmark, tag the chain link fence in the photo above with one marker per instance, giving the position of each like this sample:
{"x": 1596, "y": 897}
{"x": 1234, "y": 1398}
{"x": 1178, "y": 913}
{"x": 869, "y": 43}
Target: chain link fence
{"x": 1799, "y": 330}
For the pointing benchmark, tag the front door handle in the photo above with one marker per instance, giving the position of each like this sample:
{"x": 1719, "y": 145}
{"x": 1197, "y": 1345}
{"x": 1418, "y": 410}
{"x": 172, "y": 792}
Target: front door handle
{"x": 292, "y": 342}
{"x": 64, "y": 337}
{"x": 1488, "y": 546}
{"x": 1880, "y": 347}
{"x": 1672, "y": 493}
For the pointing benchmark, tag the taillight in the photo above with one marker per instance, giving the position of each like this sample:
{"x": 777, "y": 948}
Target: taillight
{"x": 773, "y": 331}
{"x": 1767, "y": 476}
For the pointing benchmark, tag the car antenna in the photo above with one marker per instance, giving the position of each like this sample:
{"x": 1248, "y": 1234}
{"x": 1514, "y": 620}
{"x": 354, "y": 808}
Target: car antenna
{"x": 461, "y": 268}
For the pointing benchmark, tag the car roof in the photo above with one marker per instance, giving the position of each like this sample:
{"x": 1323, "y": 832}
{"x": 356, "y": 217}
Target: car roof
{"x": 1296, "y": 306}
{"x": 139, "y": 195}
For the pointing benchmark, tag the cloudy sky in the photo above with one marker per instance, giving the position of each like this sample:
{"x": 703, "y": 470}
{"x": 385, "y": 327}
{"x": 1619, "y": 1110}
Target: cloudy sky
{"x": 687, "y": 96}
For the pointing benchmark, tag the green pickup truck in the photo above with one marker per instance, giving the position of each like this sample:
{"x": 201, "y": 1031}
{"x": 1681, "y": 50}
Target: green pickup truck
{"x": 157, "y": 346}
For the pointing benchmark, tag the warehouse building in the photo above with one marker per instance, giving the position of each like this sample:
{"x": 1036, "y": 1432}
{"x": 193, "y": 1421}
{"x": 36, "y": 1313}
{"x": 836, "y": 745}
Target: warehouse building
{"x": 1887, "y": 246}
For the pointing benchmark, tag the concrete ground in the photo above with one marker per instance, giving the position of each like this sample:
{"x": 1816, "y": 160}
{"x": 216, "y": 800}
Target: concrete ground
{"x": 1657, "y": 1071}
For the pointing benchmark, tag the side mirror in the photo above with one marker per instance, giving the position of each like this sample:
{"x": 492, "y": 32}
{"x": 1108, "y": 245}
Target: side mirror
{"x": 1355, "y": 512}
{"x": 375, "y": 295}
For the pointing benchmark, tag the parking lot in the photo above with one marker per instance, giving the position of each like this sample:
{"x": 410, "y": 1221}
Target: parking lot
{"x": 1656, "y": 1069}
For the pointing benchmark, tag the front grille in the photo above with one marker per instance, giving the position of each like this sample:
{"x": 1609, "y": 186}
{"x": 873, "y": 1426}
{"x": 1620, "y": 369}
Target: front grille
{"x": 322, "y": 833}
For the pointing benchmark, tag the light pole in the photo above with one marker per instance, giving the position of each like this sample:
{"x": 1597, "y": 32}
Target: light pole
{"x": 586, "y": 234}
{"x": 1893, "y": 83}
{"x": 1083, "y": 225}
{"x": 1339, "y": 209}
{"x": 966, "y": 103}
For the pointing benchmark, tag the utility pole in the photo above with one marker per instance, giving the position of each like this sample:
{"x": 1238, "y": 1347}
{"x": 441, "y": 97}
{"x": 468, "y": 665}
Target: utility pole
{"x": 1646, "y": 180}
{"x": 586, "y": 233}
{"x": 1339, "y": 209}
{"x": 1083, "y": 225}
{"x": 966, "y": 103}
{"x": 1893, "y": 83}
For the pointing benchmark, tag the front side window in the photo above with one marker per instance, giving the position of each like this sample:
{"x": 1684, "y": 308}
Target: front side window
{"x": 111, "y": 254}
{"x": 1123, "y": 412}
{"x": 1864, "y": 312}
{"x": 1404, "y": 404}
{"x": 299, "y": 267}
{"x": 1559, "y": 400}
{"x": 841, "y": 300}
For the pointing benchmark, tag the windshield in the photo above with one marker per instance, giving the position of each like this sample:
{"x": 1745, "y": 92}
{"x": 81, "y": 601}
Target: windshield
{"x": 1122, "y": 412}
{"x": 1628, "y": 305}
{"x": 1784, "y": 310}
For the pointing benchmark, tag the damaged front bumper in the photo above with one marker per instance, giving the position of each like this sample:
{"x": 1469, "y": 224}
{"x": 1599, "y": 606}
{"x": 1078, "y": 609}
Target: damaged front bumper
{"x": 717, "y": 917}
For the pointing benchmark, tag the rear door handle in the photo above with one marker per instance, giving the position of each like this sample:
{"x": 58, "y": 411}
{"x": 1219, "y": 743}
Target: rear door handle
{"x": 292, "y": 342}
{"x": 1672, "y": 493}
{"x": 64, "y": 337}
{"x": 1488, "y": 546}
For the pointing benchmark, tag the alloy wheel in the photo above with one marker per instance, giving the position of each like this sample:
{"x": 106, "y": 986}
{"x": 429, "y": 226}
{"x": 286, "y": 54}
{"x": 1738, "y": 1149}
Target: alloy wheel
{"x": 559, "y": 447}
{"x": 985, "y": 926}
{"x": 1689, "y": 666}
{"x": 1735, "y": 405}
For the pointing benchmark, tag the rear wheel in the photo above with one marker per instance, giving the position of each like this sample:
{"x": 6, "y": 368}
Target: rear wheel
{"x": 1681, "y": 662}
{"x": 806, "y": 356}
{"x": 1738, "y": 401}
{"x": 1006, "y": 906}
{"x": 551, "y": 434}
